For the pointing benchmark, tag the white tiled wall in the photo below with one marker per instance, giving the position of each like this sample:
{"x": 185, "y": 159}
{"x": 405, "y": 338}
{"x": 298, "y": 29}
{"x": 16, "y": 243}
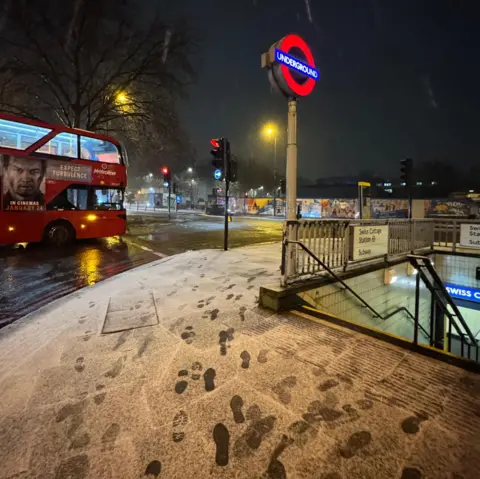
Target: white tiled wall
{"x": 457, "y": 269}
{"x": 383, "y": 298}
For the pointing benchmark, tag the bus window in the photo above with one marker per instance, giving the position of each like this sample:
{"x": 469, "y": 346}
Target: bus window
{"x": 107, "y": 199}
{"x": 73, "y": 198}
{"x": 98, "y": 150}
{"x": 63, "y": 144}
{"x": 20, "y": 135}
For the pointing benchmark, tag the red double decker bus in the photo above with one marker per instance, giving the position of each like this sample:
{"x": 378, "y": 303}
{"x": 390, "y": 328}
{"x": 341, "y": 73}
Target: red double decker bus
{"x": 58, "y": 184}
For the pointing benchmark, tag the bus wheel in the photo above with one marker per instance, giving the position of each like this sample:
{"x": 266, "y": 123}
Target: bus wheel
{"x": 59, "y": 233}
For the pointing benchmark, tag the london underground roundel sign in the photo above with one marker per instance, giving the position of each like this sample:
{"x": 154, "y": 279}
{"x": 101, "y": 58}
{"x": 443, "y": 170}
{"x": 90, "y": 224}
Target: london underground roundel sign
{"x": 292, "y": 66}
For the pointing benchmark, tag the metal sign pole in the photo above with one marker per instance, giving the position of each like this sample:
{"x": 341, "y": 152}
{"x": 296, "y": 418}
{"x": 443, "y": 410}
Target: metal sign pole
{"x": 292, "y": 182}
{"x": 360, "y": 201}
{"x": 169, "y": 192}
{"x": 275, "y": 176}
{"x": 410, "y": 202}
{"x": 227, "y": 185}
{"x": 225, "y": 236}
{"x": 280, "y": 64}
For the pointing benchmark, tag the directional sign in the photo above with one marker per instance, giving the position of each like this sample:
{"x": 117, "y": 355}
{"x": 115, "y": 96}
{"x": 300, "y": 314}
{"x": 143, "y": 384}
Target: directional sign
{"x": 218, "y": 174}
{"x": 291, "y": 66}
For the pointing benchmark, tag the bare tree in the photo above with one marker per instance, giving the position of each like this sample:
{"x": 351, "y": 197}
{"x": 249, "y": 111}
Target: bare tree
{"x": 91, "y": 66}
{"x": 159, "y": 142}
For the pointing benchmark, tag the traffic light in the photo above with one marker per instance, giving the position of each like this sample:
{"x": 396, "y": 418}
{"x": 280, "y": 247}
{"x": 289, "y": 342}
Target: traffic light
{"x": 283, "y": 186}
{"x": 218, "y": 153}
{"x": 406, "y": 172}
{"x": 167, "y": 175}
{"x": 225, "y": 167}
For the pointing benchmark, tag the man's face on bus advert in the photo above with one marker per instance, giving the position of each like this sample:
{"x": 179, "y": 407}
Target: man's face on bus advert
{"x": 24, "y": 177}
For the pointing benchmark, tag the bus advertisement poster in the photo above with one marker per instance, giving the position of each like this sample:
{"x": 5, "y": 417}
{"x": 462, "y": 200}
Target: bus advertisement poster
{"x": 67, "y": 171}
{"x": 23, "y": 183}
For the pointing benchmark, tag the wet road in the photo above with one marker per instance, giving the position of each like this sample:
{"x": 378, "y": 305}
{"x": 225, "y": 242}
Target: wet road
{"x": 35, "y": 276}
{"x": 193, "y": 232}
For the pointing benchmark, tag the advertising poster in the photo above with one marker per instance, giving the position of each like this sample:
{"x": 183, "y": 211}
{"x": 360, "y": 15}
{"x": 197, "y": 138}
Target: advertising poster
{"x": 310, "y": 208}
{"x": 389, "y": 208}
{"x": 260, "y": 206}
{"x": 23, "y": 183}
{"x": 66, "y": 171}
{"x": 446, "y": 208}
{"x": 338, "y": 208}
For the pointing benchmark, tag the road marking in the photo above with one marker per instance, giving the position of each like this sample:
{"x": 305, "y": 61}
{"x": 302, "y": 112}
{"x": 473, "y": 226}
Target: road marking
{"x": 161, "y": 255}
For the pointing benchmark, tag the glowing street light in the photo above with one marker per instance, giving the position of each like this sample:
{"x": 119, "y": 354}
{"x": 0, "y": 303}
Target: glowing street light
{"x": 270, "y": 130}
{"x": 190, "y": 170}
{"x": 123, "y": 101}
{"x": 151, "y": 175}
{"x": 121, "y": 97}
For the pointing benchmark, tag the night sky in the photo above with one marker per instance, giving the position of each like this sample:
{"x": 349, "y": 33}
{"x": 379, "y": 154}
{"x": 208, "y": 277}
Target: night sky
{"x": 397, "y": 81}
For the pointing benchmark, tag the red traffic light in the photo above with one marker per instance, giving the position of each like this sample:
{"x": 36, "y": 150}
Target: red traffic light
{"x": 215, "y": 143}
{"x": 164, "y": 170}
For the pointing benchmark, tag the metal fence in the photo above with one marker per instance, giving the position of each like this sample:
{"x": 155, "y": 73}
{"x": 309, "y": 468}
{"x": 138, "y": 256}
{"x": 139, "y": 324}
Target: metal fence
{"x": 447, "y": 232}
{"x": 144, "y": 207}
{"x": 330, "y": 241}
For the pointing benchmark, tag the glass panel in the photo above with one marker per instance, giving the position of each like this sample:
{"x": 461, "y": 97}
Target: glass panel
{"x": 63, "y": 144}
{"x": 20, "y": 135}
{"x": 98, "y": 150}
{"x": 73, "y": 198}
{"x": 108, "y": 199}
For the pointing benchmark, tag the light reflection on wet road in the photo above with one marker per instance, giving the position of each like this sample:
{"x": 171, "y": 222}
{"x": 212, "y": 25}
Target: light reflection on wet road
{"x": 35, "y": 276}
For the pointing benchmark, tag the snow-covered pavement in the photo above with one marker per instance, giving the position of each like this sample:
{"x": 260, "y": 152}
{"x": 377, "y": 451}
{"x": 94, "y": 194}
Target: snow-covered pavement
{"x": 171, "y": 370}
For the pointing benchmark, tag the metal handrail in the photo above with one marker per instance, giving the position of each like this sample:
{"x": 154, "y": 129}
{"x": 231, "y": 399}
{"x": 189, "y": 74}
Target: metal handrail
{"x": 440, "y": 287}
{"x": 404, "y": 309}
{"x": 345, "y": 285}
{"x": 443, "y": 299}
{"x": 340, "y": 280}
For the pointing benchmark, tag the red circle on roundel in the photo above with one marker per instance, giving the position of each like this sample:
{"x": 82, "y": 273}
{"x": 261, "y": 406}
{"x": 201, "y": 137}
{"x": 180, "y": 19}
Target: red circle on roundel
{"x": 289, "y": 42}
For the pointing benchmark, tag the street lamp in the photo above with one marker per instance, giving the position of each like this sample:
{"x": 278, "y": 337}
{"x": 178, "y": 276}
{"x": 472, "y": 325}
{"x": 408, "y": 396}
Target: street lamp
{"x": 151, "y": 175}
{"x": 271, "y": 131}
{"x": 123, "y": 101}
{"x": 190, "y": 170}
{"x": 121, "y": 97}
